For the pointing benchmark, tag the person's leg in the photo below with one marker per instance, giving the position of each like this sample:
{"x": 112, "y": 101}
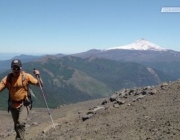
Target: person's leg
{"x": 20, "y": 118}
{"x": 23, "y": 114}
{"x": 15, "y": 115}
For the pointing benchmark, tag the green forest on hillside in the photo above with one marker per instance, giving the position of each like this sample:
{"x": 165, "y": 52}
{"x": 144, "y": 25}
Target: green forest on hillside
{"x": 72, "y": 79}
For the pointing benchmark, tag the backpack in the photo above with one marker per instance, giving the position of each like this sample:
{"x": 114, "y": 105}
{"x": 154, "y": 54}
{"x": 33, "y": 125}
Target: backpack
{"x": 27, "y": 88}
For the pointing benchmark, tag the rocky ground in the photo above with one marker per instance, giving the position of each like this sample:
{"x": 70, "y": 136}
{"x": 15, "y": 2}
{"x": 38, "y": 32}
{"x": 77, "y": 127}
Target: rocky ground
{"x": 148, "y": 113}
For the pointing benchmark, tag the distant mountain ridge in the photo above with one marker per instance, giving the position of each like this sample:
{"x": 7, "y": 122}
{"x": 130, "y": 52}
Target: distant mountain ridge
{"x": 7, "y": 56}
{"x": 140, "y": 44}
{"x": 6, "y": 64}
{"x": 143, "y": 52}
{"x": 72, "y": 79}
{"x": 97, "y": 73}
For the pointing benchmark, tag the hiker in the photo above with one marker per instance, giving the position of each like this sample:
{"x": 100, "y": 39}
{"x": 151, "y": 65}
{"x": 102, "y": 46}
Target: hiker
{"x": 18, "y": 104}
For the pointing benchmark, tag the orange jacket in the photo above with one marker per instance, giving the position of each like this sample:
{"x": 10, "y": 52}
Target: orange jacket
{"x": 17, "y": 88}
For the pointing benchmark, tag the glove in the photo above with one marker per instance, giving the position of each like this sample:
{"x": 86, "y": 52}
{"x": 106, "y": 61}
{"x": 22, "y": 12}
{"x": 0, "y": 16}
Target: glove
{"x": 36, "y": 72}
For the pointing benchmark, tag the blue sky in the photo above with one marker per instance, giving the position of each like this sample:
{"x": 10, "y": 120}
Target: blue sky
{"x": 72, "y": 26}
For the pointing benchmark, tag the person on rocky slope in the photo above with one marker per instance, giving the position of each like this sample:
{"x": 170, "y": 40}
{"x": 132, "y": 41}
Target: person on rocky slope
{"x": 19, "y": 103}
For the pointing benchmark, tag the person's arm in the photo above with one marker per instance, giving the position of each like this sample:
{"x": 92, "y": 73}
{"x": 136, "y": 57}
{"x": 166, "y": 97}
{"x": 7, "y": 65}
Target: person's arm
{"x": 3, "y": 84}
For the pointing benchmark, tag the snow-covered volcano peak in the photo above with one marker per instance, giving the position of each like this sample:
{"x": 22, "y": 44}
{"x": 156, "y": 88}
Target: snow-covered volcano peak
{"x": 140, "y": 44}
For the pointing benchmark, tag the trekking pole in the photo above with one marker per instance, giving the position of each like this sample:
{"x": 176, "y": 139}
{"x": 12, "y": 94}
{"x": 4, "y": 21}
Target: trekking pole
{"x": 38, "y": 78}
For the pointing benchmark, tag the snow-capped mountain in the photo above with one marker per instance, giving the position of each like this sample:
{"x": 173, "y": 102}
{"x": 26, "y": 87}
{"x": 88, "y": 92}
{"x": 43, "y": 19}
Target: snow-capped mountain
{"x": 141, "y": 44}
